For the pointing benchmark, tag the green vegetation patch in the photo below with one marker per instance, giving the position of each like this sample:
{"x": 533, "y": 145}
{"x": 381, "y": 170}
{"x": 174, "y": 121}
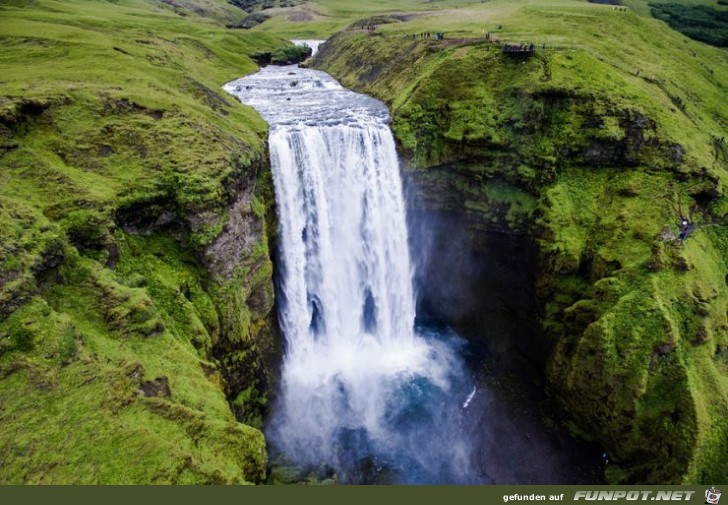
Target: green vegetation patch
{"x": 699, "y": 22}
{"x": 283, "y": 55}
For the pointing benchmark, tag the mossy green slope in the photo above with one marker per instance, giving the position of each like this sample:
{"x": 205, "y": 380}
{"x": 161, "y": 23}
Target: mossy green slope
{"x": 135, "y": 276}
{"x": 596, "y": 147}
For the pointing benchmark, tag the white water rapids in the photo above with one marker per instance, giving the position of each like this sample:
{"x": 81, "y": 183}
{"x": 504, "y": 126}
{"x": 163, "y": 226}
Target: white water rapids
{"x": 359, "y": 386}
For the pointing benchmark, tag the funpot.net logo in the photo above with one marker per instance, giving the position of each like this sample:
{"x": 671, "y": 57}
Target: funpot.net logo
{"x": 671, "y": 495}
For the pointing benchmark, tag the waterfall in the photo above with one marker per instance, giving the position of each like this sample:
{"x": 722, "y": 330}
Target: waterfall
{"x": 348, "y": 303}
{"x": 348, "y": 277}
{"x": 359, "y": 384}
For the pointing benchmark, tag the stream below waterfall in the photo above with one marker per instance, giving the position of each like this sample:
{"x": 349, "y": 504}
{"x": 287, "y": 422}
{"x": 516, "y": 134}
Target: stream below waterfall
{"x": 366, "y": 394}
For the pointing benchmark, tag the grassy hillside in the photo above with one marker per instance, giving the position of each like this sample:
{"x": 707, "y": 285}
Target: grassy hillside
{"x": 595, "y": 147}
{"x": 322, "y": 18}
{"x": 135, "y": 279}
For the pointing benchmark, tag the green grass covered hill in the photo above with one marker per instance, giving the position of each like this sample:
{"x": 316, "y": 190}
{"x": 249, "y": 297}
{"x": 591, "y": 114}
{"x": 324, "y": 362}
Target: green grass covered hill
{"x": 703, "y": 20}
{"x": 594, "y": 148}
{"x": 135, "y": 279}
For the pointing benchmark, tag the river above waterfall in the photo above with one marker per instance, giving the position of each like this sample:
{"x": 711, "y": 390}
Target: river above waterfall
{"x": 365, "y": 396}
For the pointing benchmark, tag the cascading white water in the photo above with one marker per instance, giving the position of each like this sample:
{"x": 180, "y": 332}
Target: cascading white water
{"x": 348, "y": 311}
{"x": 348, "y": 275}
{"x": 357, "y": 382}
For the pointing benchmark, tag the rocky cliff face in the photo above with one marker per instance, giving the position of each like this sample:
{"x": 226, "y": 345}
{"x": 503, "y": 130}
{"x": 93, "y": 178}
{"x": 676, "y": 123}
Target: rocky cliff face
{"x": 556, "y": 184}
{"x": 240, "y": 267}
